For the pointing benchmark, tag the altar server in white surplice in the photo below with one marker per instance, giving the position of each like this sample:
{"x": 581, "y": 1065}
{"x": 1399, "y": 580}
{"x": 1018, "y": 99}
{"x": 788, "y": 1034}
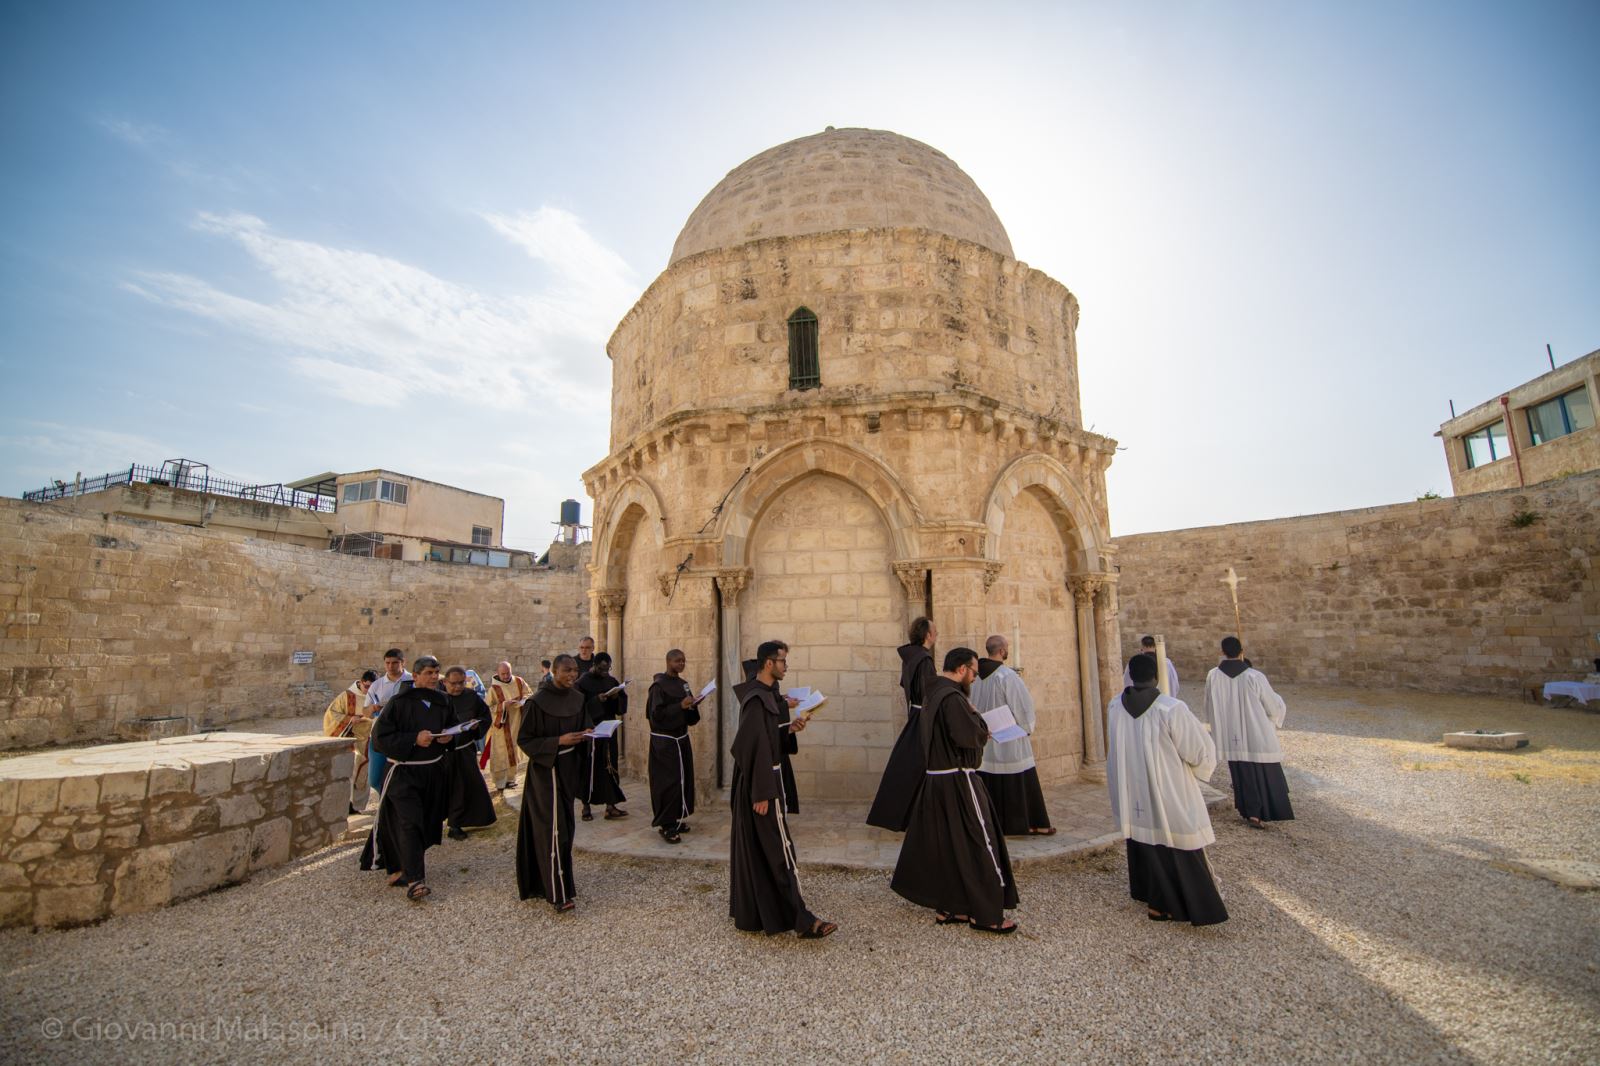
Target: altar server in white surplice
{"x": 1244, "y": 714}
{"x": 1008, "y": 769}
{"x": 1157, "y": 753}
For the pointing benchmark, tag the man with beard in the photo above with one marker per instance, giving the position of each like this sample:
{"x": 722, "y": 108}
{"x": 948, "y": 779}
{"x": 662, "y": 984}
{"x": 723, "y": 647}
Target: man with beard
{"x": 553, "y": 724}
{"x": 764, "y": 873}
{"x": 788, "y": 737}
{"x": 903, "y": 773}
{"x": 598, "y": 777}
{"x": 471, "y": 806}
{"x": 1157, "y": 754}
{"x": 415, "y": 793}
{"x": 671, "y": 709}
{"x": 507, "y": 694}
{"x": 954, "y": 859}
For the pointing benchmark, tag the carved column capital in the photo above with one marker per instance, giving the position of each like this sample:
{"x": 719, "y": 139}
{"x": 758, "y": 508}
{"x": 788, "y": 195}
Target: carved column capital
{"x": 1085, "y": 587}
{"x": 1105, "y": 595}
{"x": 991, "y": 573}
{"x": 731, "y": 581}
{"x": 913, "y": 575}
{"x": 612, "y": 601}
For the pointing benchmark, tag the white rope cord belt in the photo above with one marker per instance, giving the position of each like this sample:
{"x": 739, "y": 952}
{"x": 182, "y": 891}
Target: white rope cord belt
{"x": 383, "y": 790}
{"x": 975, "y": 810}
{"x": 781, "y": 813}
{"x": 683, "y": 789}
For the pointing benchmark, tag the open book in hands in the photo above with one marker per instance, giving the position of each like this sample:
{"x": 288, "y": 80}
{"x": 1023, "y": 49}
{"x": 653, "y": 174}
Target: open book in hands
{"x": 810, "y": 701}
{"x": 1003, "y": 724}
{"x": 606, "y": 728}
{"x": 457, "y": 730}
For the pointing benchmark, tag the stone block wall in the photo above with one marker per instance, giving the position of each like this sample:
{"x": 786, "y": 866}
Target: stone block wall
{"x": 93, "y": 832}
{"x": 109, "y": 619}
{"x": 1483, "y": 593}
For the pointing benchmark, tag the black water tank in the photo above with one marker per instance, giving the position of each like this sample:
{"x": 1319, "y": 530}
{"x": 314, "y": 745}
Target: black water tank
{"x": 569, "y": 512}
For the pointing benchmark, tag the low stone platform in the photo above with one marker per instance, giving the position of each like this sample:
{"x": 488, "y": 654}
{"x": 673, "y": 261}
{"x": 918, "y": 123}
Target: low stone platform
{"x": 1479, "y": 740}
{"x": 86, "y": 833}
{"x": 834, "y": 834}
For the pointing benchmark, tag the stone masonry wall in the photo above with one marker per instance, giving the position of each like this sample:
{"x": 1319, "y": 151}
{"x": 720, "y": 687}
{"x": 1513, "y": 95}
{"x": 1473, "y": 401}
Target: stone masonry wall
{"x": 88, "y": 833}
{"x": 1454, "y": 595}
{"x": 109, "y": 619}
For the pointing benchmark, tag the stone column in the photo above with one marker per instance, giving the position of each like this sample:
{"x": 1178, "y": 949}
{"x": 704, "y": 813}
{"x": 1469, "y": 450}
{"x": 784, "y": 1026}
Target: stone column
{"x": 1110, "y": 643}
{"x": 731, "y": 581}
{"x": 913, "y": 577}
{"x": 612, "y": 604}
{"x": 1084, "y": 587}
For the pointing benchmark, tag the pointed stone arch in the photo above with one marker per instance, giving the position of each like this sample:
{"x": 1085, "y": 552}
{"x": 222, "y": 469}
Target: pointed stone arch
{"x": 792, "y": 462}
{"x": 633, "y": 501}
{"x": 1076, "y": 518}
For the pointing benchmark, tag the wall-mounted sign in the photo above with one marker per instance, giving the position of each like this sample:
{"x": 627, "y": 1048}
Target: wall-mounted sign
{"x": 301, "y": 658}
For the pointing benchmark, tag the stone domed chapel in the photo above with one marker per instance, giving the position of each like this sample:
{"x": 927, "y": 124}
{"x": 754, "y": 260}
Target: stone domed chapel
{"x": 843, "y": 404}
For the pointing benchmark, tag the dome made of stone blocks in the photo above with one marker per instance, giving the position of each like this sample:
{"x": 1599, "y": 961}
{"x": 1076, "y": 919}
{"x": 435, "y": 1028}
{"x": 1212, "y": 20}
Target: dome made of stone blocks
{"x": 838, "y": 180}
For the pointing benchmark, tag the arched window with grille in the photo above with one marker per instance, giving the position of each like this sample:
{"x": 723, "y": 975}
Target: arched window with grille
{"x": 805, "y": 371}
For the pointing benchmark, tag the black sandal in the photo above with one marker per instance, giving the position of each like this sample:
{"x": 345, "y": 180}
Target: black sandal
{"x": 941, "y": 918}
{"x": 1002, "y": 929}
{"x": 567, "y": 906}
{"x": 1154, "y": 917}
{"x": 588, "y": 815}
{"x": 418, "y": 892}
{"x": 820, "y": 930}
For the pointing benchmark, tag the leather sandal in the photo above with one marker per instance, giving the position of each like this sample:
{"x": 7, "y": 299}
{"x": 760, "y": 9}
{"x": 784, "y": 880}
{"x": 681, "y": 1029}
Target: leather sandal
{"x": 418, "y": 892}
{"x": 820, "y": 930}
{"x": 1002, "y": 929}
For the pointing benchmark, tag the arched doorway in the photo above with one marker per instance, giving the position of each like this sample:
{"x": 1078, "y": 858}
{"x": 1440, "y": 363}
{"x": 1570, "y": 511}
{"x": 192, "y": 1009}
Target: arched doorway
{"x": 820, "y": 554}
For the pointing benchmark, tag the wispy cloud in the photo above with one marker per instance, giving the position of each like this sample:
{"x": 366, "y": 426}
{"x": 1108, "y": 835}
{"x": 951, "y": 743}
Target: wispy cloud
{"x": 49, "y": 450}
{"x": 138, "y": 134}
{"x": 374, "y": 329}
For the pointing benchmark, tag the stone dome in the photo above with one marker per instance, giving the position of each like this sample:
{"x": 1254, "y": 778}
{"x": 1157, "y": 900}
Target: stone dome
{"x": 842, "y": 179}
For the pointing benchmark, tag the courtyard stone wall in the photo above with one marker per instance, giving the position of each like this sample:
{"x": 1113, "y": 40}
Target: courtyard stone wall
{"x": 109, "y": 619}
{"x": 93, "y": 832}
{"x": 1489, "y": 593}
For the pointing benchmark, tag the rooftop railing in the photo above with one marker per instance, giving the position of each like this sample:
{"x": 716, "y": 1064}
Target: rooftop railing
{"x": 193, "y": 477}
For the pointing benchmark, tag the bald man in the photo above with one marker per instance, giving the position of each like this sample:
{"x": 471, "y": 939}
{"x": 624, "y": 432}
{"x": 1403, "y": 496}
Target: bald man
{"x": 507, "y": 692}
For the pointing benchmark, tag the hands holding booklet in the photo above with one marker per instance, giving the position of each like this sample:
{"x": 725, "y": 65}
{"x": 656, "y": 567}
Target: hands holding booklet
{"x": 1003, "y": 724}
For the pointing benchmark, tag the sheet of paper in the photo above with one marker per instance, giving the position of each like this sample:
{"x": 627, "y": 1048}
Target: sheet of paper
{"x": 620, "y": 687}
{"x": 711, "y": 686}
{"x": 810, "y": 702}
{"x": 606, "y": 728}
{"x": 457, "y": 730}
{"x": 1003, "y": 724}
{"x": 799, "y": 693}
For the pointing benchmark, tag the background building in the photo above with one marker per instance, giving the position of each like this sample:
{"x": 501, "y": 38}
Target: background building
{"x": 844, "y": 404}
{"x": 1540, "y": 430}
{"x": 397, "y": 516}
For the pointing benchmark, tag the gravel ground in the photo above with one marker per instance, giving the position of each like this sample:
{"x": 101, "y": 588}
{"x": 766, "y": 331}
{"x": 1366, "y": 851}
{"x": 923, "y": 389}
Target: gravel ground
{"x": 1376, "y": 927}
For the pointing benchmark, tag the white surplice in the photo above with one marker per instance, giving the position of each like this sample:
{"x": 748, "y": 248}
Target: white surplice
{"x": 1004, "y": 688}
{"x": 1244, "y": 714}
{"x": 1154, "y": 766}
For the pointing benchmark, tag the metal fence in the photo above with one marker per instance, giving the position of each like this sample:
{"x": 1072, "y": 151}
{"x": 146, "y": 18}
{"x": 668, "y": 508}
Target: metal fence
{"x": 188, "y": 476}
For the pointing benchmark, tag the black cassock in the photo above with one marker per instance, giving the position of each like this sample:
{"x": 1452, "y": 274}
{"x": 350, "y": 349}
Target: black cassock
{"x": 544, "y": 832}
{"x": 598, "y": 780}
{"x": 764, "y": 877}
{"x": 671, "y": 754}
{"x": 470, "y": 803}
{"x": 902, "y": 774}
{"x": 415, "y": 796}
{"x": 954, "y": 858}
{"x": 789, "y": 740}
